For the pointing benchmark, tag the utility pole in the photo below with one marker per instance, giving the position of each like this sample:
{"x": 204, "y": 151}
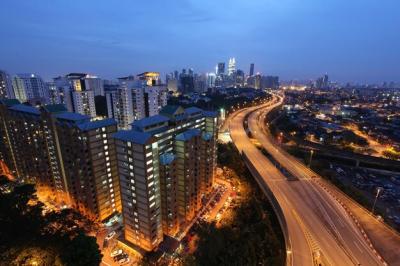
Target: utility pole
{"x": 311, "y": 154}
{"x": 376, "y": 198}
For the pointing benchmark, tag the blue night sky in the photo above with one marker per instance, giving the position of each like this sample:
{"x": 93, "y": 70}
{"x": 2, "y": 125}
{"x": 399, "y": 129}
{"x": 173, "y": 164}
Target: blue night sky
{"x": 352, "y": 40}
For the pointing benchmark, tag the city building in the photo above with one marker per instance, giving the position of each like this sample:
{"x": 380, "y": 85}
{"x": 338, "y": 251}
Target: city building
{"x": 211, "y": 77}
{"x": 30, "y": 87}
{"x": 166, "y": 166}
{"x": 220, "y": 69}
{"x": 251, "y": 73}
{"x": 6, "y": 89}
{"x": 231, "y": 66}
{"x": 134, "y": 99}
{"x": 77, "y": 92}
{"x": 69, "y": 157}
{"x": 270, "y": 82}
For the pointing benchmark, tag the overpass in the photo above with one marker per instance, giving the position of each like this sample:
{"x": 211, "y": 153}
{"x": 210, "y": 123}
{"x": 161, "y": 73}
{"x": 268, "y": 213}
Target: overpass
{"x": 318, "y": 230}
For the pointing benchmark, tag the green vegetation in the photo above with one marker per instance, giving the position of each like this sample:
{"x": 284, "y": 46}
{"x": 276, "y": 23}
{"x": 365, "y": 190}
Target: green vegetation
{"x": 252, "y": 238}
{"x": 30, "y": 235}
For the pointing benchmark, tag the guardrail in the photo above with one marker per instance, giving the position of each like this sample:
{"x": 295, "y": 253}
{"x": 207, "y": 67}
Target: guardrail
{"x": 275, "y": 205}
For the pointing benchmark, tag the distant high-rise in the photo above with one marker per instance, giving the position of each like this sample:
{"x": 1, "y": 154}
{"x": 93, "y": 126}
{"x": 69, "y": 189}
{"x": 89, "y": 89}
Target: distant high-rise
{"x": 231, "y": 66}
{"x": 220, "y": 69}
{"x": 6, "y": 89}
{"x": 30, "y": 87}
{"x": 133, "y": 99}
{"x": 251, "y": 69}
{"x": 77, "y": 91}
{"x": 211, "y": 77}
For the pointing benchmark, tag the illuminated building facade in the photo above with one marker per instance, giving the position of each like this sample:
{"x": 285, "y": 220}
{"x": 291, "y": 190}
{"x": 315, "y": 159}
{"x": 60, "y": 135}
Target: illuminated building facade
{"x": 166, "y": 165}
{"x": 67, "y": 153}
{"x": 6, "y": 89}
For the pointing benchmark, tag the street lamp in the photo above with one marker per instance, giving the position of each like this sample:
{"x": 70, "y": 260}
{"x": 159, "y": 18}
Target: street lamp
{"x": 376, "y": 198}
{"x": 311, "y": 154}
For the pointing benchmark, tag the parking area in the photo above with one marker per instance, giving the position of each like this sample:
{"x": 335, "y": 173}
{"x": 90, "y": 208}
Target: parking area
{"x": 113, "y": 252}
{"x": 382, "y": 186}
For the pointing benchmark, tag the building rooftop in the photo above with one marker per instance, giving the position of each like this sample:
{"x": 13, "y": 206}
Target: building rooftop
{"x": 193, "y": 110}
{"x": 207, "y": 136}
{"x": 55, "y": 108}
{"x": 72, "y": 116}
{"x": 96, "y": 124}
{"x": 25, "y": 108}
{"x": 210, "y": 113}
{"x": 9, "y": 102}
{"x": 148, "y": 121}
{"x": 167, "y": 158}
{"x": 171, "y": 110}
{"x": 133, "y": 136}
{"x": 188, "y": 134}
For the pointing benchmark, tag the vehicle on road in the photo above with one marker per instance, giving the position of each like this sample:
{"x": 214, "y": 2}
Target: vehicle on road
{"x": 124, "y": 261}
{"x": 110, "y": 235}
{"x": 116, "y": 253}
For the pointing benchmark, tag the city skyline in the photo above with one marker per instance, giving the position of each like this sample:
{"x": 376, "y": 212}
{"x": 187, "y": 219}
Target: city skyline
{"x": 291, "y": 39}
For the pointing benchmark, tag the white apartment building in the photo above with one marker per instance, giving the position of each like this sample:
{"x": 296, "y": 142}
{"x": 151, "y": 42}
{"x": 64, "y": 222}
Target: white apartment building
{"x": 134, "y": 100}
{"x": 30, "y": 87}
{"x": 77, "y": 92}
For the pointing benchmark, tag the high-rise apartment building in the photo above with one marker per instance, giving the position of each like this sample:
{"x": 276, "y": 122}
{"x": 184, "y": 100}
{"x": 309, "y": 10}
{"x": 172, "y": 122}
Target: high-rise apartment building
{"x": 6, "y": 89}
{"x": 30, "y": 87}
{"x": 66, "y": 154}
{"x": 133, "y": 99}
{"x": 77, "y": 92}
{"x": 166, "y": 165}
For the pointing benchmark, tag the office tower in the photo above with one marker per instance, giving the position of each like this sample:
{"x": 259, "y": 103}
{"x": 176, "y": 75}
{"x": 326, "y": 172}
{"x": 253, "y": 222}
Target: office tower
{"x": 65, "y": 154}
{"x": 77, "y": 91}
{"x": 30, "y": 87}
{"x": 231, "y": 66}
{"x": 239, "y": 77}
{"x": 134, "y": 100}
{"x": 220, "y": 69}
{"x": 270, "y": 82}
{"x": 6, "y": 89}
{"x": 172, "y": 85}
{"x": 251, "y": 69}
{"x": 166, "y": 165}
{"x": 257, "y": 81}
{"x": 186, "y": 83}
{"x": 211, "y": 77}
{"x": 325, "y": 81}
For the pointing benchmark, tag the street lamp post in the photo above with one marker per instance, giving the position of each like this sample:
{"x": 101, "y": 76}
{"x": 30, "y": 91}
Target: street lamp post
{"x": 311, "y": 154}
{"x": 376, "y": 198}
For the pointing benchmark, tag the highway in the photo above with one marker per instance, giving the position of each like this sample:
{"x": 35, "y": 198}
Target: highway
{"x": 320, "y": 231}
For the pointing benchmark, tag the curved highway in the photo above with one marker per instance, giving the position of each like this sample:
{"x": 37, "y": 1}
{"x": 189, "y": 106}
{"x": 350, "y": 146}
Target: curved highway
{"x": 320, "y": 230}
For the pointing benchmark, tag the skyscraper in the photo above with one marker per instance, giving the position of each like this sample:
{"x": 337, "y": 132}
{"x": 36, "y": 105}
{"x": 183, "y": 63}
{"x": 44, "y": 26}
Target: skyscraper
{"x": 6, "y": 89}
{"x": 220, "y": 69}
{"x": 30, "y": 87}
{"x": 211, "y": 77}
{"x": 251, "y": 70}
{"x": 166, "y": 164}
{"x": 231, "y": 66}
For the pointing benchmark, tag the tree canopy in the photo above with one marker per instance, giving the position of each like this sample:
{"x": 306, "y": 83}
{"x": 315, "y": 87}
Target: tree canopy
{"x": 30, "y": 233}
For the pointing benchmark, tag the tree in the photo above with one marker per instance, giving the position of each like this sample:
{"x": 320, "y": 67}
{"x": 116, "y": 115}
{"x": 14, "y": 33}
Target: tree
{"x": 25, "y": 228}
{"x": 82, "y": 251}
